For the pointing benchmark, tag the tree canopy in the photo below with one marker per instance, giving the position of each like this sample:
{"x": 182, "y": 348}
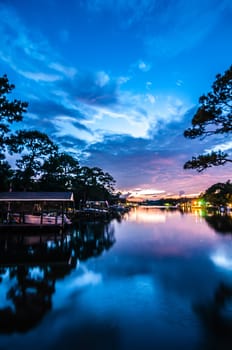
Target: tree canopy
{"x": 213, "y": 117}
{"x": 35, "y": 148}
{"x": 10, "y": 111}
{"x": 59, "y": 172}
{"x": 219, "y": 194}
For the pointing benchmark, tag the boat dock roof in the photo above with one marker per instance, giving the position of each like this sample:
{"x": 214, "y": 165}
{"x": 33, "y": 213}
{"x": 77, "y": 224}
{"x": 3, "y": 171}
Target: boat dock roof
{"x": 36, "y": 197}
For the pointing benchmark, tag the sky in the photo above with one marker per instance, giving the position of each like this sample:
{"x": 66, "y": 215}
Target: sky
{"x": 115, "y": 83}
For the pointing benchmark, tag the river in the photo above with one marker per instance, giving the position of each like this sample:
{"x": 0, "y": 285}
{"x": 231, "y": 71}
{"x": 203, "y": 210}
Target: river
{"x": 154, "y": 279}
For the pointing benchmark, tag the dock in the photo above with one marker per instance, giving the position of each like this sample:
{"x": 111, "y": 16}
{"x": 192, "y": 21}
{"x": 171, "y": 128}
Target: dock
{"x": 35, "y": 211}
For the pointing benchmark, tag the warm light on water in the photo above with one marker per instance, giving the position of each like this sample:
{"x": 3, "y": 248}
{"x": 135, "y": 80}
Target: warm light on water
{"x": 157, "y": 279}
{"x": 143, "y": 215}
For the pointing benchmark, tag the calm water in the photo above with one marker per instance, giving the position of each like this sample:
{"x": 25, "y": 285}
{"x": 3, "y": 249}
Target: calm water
{"x": 154, "y": 280}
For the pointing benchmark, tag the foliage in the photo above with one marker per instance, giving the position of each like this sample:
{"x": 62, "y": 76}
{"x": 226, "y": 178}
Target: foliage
{"x": 219, "y": 194}
{"x": 6, "y": 174}
{"x": 94, "y": 184}
{"x": 59, "y": 172}
{"x": 205, "y": 161}
{"x": 35, "y": 147}
{"x": 10, "y": 111}
{"x": 213, "y": 117}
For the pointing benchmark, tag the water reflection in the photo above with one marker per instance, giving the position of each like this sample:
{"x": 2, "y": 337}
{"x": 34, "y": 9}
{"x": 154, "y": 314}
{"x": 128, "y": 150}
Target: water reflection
{"x": 155, "y": 280}
{"x": 148, "y": 215}
{"x": 30, "y": 265}
{"x": 28, "y": 297}
{"x": 92, "y": 238}
{"x": 221, "y": 223}
{"x": 216, "y": 317}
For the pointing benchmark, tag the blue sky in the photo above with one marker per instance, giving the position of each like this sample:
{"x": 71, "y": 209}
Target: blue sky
{"x": 115, "y": 83}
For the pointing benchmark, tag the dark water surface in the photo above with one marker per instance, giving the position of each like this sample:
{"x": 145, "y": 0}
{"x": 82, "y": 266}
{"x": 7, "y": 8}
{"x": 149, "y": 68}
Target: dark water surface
{"x": 157, "y": 279}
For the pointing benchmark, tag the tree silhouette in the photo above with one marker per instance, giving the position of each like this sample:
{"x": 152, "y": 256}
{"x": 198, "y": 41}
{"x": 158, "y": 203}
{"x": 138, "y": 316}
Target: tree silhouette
{"x": 10, "y": 112}
{"x": 213, "y": 117}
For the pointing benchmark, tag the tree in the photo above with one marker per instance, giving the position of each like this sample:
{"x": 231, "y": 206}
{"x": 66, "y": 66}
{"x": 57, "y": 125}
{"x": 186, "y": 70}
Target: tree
{"x": 10, "y": 111}
{"x": 59, "y": 170}
{"x": 35, "y": 148}
{"x": 94, "y": 184}
{"x": 6, "y": 174}
{"x": 219, "y": 194}
{"x": 213, "y": 117}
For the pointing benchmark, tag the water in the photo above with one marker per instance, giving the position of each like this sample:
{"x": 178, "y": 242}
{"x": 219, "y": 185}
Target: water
{"x": 156, "y": 279}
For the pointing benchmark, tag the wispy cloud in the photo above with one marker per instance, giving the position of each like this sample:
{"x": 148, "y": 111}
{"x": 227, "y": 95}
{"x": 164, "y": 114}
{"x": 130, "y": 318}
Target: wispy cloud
{"x": 43, "y": 77}
{"x": 151, "y": 98}
{"x": 179, "y": 82}
{"x": 28, "y": 53}
{"x": 15, "y": 41}
{"x": 143, "y": 66}
{"x": 52, "y": 107}
{"x": 102, "y": 79}
{"x": 91, "y": 88}
{"x": 66, "y": 71}
{"x": 66, "y": 126}
{"x": 224, "y": 147}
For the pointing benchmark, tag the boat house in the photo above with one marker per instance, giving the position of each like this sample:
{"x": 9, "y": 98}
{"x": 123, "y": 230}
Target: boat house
{"x": 37, "y": 209}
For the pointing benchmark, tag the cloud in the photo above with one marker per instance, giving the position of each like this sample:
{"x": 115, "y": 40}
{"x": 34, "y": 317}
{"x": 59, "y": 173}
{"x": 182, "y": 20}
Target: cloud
{"x": 73, "y": 145}
{"x": 16, "y": 46}
{"x": 157, "y": 161}
{"x": 50, "y": 108}
{"x": 151, "y": 98}
{"x": 146, "y": 193}
{"x": 39, "y": 76}
{"x": 179, "y": 82}
{"x": 28, "y": 52}
{"x": 102, "y": 79}
{"x": 119, "y": 121}
{"x": 141, "y": 115}
{"x": 144, "y": 67}
{"x": 66, "y": 126}
{"x": 59, "y": 120}
{"x": 224, "y": 147}
{"x": 93, "y": 93}
{"x": 66, "y": 71}
{"x": 123, "y": 80}
{"x": 92, "y": 88}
